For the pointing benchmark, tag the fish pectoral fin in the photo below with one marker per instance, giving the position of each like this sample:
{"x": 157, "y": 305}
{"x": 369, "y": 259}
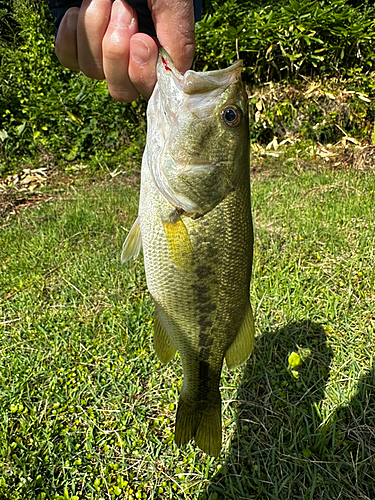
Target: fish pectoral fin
{"x": 179, "y": 245}
{"x": 133, "y": 243}
{"x": 162, "y": 343}
{"x": 242, "y": 346}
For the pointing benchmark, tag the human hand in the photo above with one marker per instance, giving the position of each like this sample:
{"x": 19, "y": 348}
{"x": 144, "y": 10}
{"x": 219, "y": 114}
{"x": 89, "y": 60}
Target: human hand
{"x": 101, "y": 39}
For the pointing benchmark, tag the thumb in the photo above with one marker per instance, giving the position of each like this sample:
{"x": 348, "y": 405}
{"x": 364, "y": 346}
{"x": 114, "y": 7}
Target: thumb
{"x": 174, "y": 25}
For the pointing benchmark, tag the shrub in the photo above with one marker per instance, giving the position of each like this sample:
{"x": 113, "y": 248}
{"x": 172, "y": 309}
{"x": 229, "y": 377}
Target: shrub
{"x": 50, "y": 112}
{"x": 281, "y": 40}
{"x": 46, "y": 109}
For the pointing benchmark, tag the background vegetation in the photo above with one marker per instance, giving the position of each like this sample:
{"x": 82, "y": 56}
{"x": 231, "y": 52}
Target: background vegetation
{"x": 281, "y": 39}
{"x": 53, "y": 116}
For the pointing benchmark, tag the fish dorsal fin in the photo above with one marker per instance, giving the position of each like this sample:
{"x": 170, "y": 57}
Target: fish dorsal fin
{"x": 162, "y": 343}
{"x": 242, "y": 346}
{"x": 179, "y": 245}
{"x": 132, "y": 244}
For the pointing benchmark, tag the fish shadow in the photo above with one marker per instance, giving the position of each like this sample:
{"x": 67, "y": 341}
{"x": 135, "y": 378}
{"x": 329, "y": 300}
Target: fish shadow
{"x": 287, "y": 444}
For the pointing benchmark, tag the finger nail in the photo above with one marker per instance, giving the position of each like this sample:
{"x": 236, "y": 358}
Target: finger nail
{"x": 72, "y": 20}
{"x": 139, "y": 51}
{"x": 122, "y": 14}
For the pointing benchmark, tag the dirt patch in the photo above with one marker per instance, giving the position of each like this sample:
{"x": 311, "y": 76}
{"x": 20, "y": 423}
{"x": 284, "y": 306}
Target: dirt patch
{"x": 359, "y": 158}
{"x": 31, "y": 187}
{"x": 25, "y": 189}
{"x": 364, "y": 159}
{"x": 12, "y": 202}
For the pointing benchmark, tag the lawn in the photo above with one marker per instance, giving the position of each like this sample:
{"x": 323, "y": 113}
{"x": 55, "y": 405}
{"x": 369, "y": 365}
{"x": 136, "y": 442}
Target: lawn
{"x": 87, "y": 410}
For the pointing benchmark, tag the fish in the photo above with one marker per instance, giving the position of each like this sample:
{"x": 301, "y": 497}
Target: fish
{"x": 195, "y": 226}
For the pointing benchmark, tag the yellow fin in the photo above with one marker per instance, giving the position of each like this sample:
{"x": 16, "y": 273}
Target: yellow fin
{"x": 208, "y": 434}
{"x": 179, "y": 244}
{"x": 133, "y": 243}
{"x": 162, "y": 343}
{"x": 242, "y": 346}
{"x": 204, "y": 425}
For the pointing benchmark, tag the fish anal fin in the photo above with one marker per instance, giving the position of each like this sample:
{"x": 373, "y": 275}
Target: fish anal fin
{"x": 179, "y": 245}
{"x": 162, "y": 343}
{"x": 242, "y": 346}
{"x": 132, "y": 244}
{"x": 202, "y": 422}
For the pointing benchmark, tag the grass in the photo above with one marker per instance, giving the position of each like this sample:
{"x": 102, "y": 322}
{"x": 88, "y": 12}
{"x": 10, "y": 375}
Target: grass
{"x": 86, "y": 409}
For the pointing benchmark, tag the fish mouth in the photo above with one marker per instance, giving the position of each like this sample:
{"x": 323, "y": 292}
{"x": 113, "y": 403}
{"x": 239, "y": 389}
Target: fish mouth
{"x": 199, "y": 82}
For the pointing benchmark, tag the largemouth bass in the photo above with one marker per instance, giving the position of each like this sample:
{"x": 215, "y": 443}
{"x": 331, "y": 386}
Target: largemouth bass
{"x": 195, "y": 225}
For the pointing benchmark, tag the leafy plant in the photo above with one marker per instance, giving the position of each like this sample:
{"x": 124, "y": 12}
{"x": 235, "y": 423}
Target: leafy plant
{"x": 282, "y": 40}
{"x": 48, "y": 110}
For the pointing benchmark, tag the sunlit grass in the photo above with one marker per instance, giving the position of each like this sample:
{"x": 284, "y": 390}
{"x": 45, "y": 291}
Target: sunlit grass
{"x": 88, "y": 411}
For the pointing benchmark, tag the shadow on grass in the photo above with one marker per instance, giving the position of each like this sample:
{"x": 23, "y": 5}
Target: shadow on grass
{"x": 287, "y": 445}
{"x": 352, "y": 439}
{"x": 280, "y": 450}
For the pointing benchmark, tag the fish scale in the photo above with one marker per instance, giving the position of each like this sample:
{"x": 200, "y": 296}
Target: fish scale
{"x": 195, "y": 225}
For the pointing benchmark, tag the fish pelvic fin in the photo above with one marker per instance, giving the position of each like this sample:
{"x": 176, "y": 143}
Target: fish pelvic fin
{"x": 242, "y": 346}
{"x": 162, "y": 343}
{"x": 179, "y": 245}
{"x": 199, "y": 421}
{"x": 133, "y": 243}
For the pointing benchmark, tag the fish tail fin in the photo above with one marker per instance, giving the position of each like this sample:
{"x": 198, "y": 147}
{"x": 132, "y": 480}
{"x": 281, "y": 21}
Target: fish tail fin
{"x": 199, "y": 421}
{"x": 208, "y": 434}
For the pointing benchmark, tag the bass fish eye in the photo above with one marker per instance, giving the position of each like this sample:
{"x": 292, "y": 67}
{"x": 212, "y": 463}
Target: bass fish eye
{"x": 231, "y": 115}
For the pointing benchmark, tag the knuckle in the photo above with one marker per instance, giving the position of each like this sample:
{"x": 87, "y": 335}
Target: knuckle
{"x": 97, "y": 12}
{"x": 114, "y": 48}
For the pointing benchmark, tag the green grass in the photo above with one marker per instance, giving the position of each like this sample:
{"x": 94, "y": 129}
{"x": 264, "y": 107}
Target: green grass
{"x": 87, "y": 410}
